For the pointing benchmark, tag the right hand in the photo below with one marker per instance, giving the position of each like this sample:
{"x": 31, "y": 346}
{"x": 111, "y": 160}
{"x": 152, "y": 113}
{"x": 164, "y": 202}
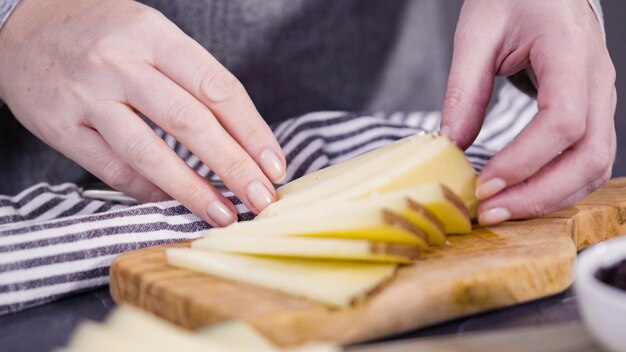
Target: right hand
{"x": 78, "y": 74}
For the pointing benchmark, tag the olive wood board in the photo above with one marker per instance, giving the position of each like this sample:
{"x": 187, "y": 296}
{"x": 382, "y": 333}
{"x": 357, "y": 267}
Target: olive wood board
{"x": 489, "y": 268}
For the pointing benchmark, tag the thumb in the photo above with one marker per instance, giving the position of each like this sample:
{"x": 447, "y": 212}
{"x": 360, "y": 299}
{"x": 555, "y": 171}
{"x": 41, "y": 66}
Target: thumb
{"x": 469, "y": 89}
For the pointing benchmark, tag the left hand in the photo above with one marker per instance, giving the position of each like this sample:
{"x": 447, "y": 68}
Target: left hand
{"x": 568, "y": 149}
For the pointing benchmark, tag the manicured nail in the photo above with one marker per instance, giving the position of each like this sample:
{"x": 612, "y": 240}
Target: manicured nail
{"x": 221, "y": 213}
{"x": 271, "y": 165}
{"x": 494, "y": 216}
{"x": 445, "y": 130}
{"x": 489, "y": 188}
{"x": 259, "y": 196}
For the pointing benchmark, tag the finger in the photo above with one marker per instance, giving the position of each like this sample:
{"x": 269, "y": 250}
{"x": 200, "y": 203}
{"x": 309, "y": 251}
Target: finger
{"x": 574, "y": 174}
{"x": 560, "y": 122}
{"x": 91, "y": 151}
{"x": 188, "y": 64}
{"x": 470, "y": 84}
{"x": 150, "y": 156}
{"x": 183, "y": 116}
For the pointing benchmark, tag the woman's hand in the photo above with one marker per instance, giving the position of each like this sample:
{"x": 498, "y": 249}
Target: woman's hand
{"x": 78, "y": 74}
{"x": 567, "y": 151}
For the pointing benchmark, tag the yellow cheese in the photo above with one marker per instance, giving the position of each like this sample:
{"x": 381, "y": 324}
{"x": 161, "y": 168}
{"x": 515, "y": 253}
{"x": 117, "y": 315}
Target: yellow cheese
{"x": 94, "y": 337}
{"x": 372, "y": 219}
{"x": 415, "y": 160}
{"x": 333, "y": 283}
{"x": 389, "y": 217}
{"x": 129, "y": 329}
{"x": 311, "y": 248}
{"x": 316, "y": 177}
{"x": 237, "y": 336}
{"x": 133, "y": 323}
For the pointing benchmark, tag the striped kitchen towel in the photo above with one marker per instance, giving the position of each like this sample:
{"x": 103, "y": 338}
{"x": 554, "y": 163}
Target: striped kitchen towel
{"x": 54, "y": 241}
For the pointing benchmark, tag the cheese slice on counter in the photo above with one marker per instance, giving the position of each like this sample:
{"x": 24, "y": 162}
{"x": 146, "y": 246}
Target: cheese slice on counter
{"x": 310, "y": 248}
{"x": 333, "y": 283}
{"x": 94, "y": 337}
{"x": 129, "y": 329}
{"x": 417, "y": 159}
{"x": 237, "y": 336}
{"x": 133, "y": 323}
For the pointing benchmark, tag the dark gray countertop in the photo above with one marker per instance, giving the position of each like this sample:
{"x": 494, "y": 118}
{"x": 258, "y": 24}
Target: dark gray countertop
{"x": 45, "y": 327}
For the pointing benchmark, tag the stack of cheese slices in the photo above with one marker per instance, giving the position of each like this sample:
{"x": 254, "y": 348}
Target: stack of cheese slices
{"x": 337, "y": 234}
{"x": 129, "y": 329}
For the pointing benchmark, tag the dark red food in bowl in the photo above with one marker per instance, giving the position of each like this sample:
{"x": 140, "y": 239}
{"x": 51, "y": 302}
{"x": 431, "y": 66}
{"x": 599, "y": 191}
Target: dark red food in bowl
{"x": 614, "y": 275}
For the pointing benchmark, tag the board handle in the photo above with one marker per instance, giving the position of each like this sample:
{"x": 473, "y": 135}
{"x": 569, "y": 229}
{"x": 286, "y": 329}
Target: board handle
{"x": 597, "y": 217}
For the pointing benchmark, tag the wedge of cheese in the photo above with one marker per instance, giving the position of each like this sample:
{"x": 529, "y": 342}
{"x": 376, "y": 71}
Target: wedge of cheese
{"x": 392, "y": 217}
{"x": 371, "y": 219}
{"x": 414, "y": 160}
{"x": 333, "y": 283}
{"x": 311, "y": 248}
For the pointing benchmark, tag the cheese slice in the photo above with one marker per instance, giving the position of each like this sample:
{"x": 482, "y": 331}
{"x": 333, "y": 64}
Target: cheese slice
{"x": 135, "y": 324}
{"x": 129, "y": 329}
{"x": 237, "y": 336}
{"x": 426, "y": 220}
{"x": 372, "y": 219}
{"x": 373, "y": 156}
{"x": 311, "y": 248}
{"x": 332, "y": 283}
{"x": 417, "y": 159}
{"x": 387, "y": 217}
{"x": 94, "y": 337}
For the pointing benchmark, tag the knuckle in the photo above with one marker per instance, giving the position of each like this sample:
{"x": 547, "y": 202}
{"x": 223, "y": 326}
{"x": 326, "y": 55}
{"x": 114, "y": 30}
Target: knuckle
{"x": 455, "y": 96}
{"x": 145, "y": 18}
{"x": 598, "y": 182}
{"x": 458, "y": 97}
{"x": 181, "y": 116}
{"x": 599, "y": 165}
{"x": 195, "y": 193}
{"x": 516, "y": 171}
{"x": 236, "y": 169}
{"x": 571, "y": 132}
{"x": 218, "y": 85}
{"x": 141, "y": 153}
{"x": 118, "y": 175}
{"x": 146, "y": 15}
{"x": 103, "y": 51}
{"x": 255, "y": 133}
{"x": 537, "y": 209}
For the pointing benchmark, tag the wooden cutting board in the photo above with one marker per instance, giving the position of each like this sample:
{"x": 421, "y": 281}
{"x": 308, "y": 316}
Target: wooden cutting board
{"x": 492, "y": 267}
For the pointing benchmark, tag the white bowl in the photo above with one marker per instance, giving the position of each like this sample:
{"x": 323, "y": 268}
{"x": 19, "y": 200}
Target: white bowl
{"x": 603, "y": 307}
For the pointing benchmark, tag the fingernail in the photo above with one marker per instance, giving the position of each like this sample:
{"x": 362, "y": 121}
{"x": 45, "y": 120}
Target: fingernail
{"x": 489, "y": 188}
{"x": 494, "y": 216}
{"x": 220, "y": 213}
{"x": 259, "y": 196}
{"x": 445, "y": 130}
{"x": 271, "y": 165}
